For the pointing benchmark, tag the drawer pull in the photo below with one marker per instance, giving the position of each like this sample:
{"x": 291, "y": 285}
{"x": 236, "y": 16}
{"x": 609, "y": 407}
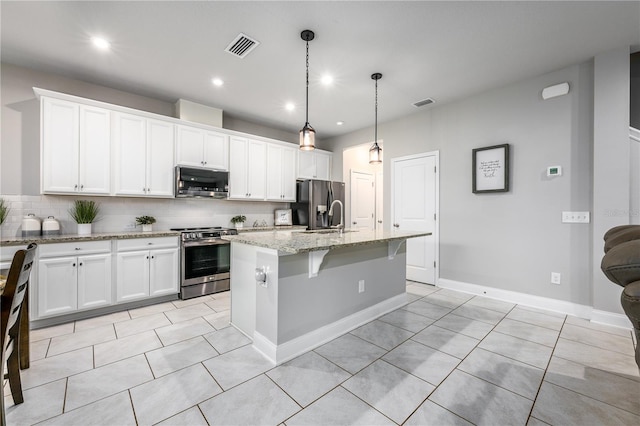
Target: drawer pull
{"x": 78, "y": 248}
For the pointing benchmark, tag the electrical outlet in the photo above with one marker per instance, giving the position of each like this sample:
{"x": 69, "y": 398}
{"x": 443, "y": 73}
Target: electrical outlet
{"x": 576, "y": 217}
{"x": 361, "y": 286}
{"x": 130, "y": 227}
{"x": 555, "y": 278}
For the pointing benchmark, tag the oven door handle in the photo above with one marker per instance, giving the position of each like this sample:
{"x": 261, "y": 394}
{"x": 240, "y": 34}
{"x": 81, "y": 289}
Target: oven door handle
{"x": 217, "y": 242}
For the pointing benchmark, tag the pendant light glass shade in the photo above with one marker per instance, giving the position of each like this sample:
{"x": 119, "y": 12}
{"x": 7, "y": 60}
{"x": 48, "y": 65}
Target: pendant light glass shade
{"x": 307, "y": 134}
{"x": 375, "y": 152}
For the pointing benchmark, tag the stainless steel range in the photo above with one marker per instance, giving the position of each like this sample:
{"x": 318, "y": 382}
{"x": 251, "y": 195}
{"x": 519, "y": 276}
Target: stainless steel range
{"x": 205, "y": 261}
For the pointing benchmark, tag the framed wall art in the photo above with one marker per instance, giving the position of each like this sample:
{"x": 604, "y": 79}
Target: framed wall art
{"x": 491, "y": 169}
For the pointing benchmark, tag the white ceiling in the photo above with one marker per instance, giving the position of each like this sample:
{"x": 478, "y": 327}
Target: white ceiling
{"x": 444, "y": 50}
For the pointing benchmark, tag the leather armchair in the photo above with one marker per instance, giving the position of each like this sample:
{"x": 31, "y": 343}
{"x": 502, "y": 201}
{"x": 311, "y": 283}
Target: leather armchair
{"x": 621, "y": 265}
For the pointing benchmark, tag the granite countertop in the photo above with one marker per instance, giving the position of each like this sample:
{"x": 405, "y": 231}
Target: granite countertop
{"x": 67, "y": 238}
{"x": 272, "y": 228}
{"x": 295, "y": 241}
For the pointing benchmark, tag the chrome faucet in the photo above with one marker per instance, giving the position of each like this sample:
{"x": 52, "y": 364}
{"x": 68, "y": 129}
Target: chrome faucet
{"x": 340, "y": 226}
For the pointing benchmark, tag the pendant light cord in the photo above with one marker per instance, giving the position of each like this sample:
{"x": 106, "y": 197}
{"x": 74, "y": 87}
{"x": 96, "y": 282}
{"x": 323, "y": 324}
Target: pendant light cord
{"x": 307, "y": 116}
{"x": 375, "y": 141}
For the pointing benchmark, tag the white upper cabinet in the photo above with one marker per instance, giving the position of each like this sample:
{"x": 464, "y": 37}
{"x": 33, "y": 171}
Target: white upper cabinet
{"x": 202, "y": 148}
{"x": 281, "y": 173}
{"x": 247, "y": 168}
{"x": 76, "y": 148}
{"x": 314, "y": 165}
{"x": 143, "y": 156}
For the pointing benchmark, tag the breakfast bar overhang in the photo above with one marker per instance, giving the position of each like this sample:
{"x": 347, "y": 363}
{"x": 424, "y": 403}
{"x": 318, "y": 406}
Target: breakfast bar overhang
{"x": 292, "y": 291}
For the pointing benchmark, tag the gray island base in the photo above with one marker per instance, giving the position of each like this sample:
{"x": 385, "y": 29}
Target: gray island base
{"x": 293, "y": 291}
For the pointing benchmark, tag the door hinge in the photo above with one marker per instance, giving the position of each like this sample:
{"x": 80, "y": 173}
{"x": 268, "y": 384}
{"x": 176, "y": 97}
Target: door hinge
{"x": 435, "y": 169}
{"x": 434, "y": 216}
{"x": 434, "y": 263}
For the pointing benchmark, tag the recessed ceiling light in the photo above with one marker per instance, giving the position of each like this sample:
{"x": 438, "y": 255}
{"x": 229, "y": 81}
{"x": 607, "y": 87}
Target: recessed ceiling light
{"x": 339, "y": 123}
{"x": 327, "y": 79}
{"x": 217, "y": 82}
{"x": 101, "y": 43}
{"x": 289, "y": 106}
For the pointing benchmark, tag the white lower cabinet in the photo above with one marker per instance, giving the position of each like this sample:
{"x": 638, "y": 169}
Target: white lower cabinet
{"x": 146, "y": 267}
{"x": 68, "y": 282}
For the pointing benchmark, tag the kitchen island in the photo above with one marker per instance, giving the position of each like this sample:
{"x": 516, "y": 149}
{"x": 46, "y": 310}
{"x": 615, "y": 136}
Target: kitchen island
{"x": 292, "y": 291}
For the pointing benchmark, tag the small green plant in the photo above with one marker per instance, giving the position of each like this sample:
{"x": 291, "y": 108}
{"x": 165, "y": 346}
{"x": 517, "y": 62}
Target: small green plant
{"x": 238, "y": 219}
{"x": 145, "y": 220}
{"x": 4, "y": 210}
{"x": 84, "y": 211}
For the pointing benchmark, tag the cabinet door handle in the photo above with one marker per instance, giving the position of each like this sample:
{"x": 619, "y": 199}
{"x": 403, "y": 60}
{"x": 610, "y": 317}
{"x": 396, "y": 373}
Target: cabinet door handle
{"x": 397, "y": 225}
{"x": 355, "y": 223}
{"x": 74, "y": 265}
{"x": 75, "y": 186}
{"x": 81, "y": 187}
{"x": 379, "y": 221}
{"x": 147, "y": 257}
{"x": 78, "y": 248}
{"x": 153, "y": 257}
{"x": 80, "y": 263}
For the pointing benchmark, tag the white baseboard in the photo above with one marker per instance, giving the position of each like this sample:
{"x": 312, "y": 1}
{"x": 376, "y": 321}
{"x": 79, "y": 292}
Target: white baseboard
{"x": 291, "y": 349}
{"x": 560, "y": 306}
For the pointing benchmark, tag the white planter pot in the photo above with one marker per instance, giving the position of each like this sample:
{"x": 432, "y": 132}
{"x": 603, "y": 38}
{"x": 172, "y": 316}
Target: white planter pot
{"x": 84, "y": 228}
{"x": 147, "y": 228}
{"x": 239, "y": 225}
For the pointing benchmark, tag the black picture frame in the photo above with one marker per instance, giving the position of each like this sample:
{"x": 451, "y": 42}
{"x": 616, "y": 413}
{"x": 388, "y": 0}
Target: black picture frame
{"x": 490, "y": 169}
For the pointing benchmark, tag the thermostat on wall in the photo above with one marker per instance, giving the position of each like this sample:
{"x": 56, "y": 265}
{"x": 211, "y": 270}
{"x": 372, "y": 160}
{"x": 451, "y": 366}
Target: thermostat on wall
{"x": 554, "y": 171}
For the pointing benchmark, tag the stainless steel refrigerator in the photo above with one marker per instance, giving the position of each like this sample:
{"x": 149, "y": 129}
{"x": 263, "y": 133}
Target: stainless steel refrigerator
{"x": 313, "y": 202}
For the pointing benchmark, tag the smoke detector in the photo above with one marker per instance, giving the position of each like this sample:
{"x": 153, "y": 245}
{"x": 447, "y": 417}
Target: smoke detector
{"x": 423, "y": 102}
{"x": 242, "y": 45}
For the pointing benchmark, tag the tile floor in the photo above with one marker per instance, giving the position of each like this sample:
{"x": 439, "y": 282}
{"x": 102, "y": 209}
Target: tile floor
{"x": 444, "y": 358}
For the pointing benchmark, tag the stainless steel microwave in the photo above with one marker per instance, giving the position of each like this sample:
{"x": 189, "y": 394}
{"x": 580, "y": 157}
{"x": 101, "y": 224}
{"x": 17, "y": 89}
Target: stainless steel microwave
{"x": 204, "y": 183}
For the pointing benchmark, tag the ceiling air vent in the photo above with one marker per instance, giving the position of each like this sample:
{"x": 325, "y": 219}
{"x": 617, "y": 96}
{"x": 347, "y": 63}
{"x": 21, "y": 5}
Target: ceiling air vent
{"x": 242, "y": 45}
{"x": 423, "y": 102}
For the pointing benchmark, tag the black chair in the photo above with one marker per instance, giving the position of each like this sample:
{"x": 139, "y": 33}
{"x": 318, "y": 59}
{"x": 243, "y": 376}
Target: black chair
{"x": 10, "y": 320}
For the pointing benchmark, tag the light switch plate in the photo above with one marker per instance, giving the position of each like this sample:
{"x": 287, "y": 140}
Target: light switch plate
{"x": 576, "y": 217}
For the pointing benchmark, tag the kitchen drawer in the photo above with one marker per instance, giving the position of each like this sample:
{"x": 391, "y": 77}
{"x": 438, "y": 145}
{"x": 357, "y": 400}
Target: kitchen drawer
{"x": 74, "y": 249}
{"x": 135, "y": 244}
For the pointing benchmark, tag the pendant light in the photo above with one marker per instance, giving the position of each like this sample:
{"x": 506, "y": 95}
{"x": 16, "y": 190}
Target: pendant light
{"x": 375, "y": 152}
{"x": 307, "y": 134}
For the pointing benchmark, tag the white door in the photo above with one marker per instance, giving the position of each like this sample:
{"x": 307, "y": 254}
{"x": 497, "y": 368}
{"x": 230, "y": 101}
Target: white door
{"x": 94, "y": 281}
{"x": 95, "y": 150}
{"x": 190, "y": 146}
{"x": 238, "y": 151}
{"x": 160, "y": 146}
{"x": 274, "y": 172}
{"x": 216, "y": 151}
{"x": 57, "y": 286}
{"x": 163, "y": 272}
{"x": 379, "y": 201}
{"x": 60, "y": 146}
{"x": 289, "y": 174}
{"x": 414, "y": 194}
{"x": 132, "y": 280}
{"x": 131, "y": 155}
{"x": 363, "y": 200}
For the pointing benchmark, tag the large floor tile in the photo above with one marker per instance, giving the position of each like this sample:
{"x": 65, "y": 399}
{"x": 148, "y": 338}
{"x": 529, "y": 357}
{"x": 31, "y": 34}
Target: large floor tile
{"x": 530, "y": 332}
{"x": 115, "y": 350}
{"x": 102, "y": 320}
{"x": 444, "y": 300}
{"x": 406, "y": 320}
{"x": 420, "y": 289}
{"x": 308, "y": 377}
{"x": 191, "y": 417}
{"x": 138, "y": 325}
{"x": 557, "y": 405}
{"x": 481, "y": 402}
{"x": 455, "y": 294}
{"x": 520, "y": 378}
{"x": 114, "y": 410}
{"x": 521, "y": 350}
{"x": 183, "y": 330}
{"x": 380, "y": 333}
{"x": 612, "y": 362}
{"x": 164, "y": 397}
{"x": 581, "y": 322}
{"x": 40, "y": 403}
{"x": 90, "y": 386}
{"x": 219, "y": 305}
{"x": 227, "y": 339}
{"x": 219, "y": 320}
{"x": 491, "y": 304}
{"x": 151, "y": 309}
{"x": 339, "y": 407}
{"x": 188, "y": 312}
{"x": 260, "y": 402}
{"x": 193, "y": 301}
{"x": 350, "y": 352}
{"x": 232, "y": 368}
{"x": 426, "y": 309}
{"x": 446, "y": 341}
{"x": 463, "y": 325}
{"x": 38, "y": 349}
{"x": 606, "y": 387}
{"x": 421, "y": 361}
{"x": 179, "y": 355}
{"x": 600, "y": 339}
{"x": 57, "y": 367}
{"x": 479, "y": 314}
{"x": 392, "y": 391}
{"x": 431, "y": 414}
{"x": 81, "y": 339}
{"x": 538, "y": 318}
{"x": 49, "y": 332}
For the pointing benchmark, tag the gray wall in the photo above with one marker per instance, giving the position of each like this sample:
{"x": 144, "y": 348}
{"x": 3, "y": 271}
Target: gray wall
{"x": 635, "y": 90}
{"x": 511, "y": 241}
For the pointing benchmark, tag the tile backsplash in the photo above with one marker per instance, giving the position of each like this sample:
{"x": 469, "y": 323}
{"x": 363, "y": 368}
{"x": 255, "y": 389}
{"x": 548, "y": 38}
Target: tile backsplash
{"x": 119, "y": 214}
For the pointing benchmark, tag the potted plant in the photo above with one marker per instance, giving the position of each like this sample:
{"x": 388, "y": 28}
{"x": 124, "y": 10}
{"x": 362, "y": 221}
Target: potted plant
{"x": 238, "y": 221}
{"x": 146, "y": 222}
{"x": 84, "y": 212}
{"x": 4, "y": 210}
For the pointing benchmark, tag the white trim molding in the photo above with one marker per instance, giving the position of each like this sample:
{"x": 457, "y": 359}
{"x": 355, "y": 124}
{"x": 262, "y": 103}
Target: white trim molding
{"x": 554, "y": 305}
